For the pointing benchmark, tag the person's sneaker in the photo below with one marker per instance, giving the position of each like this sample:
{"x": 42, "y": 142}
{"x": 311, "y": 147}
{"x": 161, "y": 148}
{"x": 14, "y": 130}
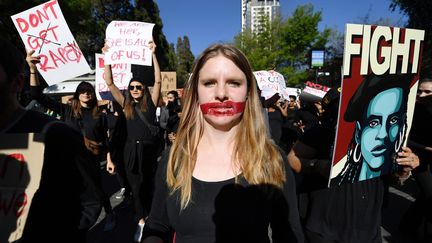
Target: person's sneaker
{"x": 120, "y": 194}
{"x": 138, "y": 232}
{"x": 110, "y": 222}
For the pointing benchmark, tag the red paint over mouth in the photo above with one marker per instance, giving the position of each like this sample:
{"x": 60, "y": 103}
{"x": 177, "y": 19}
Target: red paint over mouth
{"x": 227, "y": 108}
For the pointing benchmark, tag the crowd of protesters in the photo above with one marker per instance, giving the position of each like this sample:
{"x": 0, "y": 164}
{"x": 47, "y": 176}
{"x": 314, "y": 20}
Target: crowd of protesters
{"x": 233, "y": 165}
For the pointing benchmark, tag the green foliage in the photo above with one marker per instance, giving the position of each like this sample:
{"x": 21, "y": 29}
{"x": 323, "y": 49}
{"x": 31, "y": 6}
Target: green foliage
{"x": 420, "y": 17}
{"x": 284, "y": 44}
{"x": 185, "y": 60}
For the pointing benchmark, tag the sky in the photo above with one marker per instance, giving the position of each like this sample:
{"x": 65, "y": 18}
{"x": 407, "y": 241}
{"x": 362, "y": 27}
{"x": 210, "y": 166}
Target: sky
{"x": 206, "y": 22}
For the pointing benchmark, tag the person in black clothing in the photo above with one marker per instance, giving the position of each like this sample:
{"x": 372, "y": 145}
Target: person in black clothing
{"x": 417, "y": 221}
{"x": 277, "y": 112}
{"x": 59, "y": 212}
{"x": 141, "y": 147}
{"x": 116, "y": 140}
{"x": 223, "y": 180}
{"x": 350, "y": 212}
{"x": 85, "y": 116}
{"x": 170, "y": 116}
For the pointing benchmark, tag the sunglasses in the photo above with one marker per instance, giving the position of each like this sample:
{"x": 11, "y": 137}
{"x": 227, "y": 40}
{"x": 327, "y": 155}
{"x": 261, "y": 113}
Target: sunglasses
{"x": 138, "y": 87}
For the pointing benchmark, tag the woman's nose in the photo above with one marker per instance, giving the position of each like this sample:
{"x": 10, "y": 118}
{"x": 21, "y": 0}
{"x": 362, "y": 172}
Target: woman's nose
{"x": 221, "y": 93}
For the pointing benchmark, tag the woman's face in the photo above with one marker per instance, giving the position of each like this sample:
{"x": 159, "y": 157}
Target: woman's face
{"x": 222, "y": 91}
{"x": 86, "y": 95}
{"x": 381, "y": 127}
{"x": 136, "y": 90}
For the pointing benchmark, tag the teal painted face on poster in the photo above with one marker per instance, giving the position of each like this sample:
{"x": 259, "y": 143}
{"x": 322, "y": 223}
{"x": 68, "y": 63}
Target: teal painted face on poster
{"x": 381, "y": 126}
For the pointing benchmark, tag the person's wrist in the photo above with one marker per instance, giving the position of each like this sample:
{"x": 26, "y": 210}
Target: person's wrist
{"x": 405, "y": 175}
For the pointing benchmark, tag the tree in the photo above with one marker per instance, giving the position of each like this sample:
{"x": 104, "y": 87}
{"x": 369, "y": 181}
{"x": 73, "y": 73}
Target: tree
{"x": 419, "y": 17}
{"x": 148, "y": 11}
{"x": 284, "y": 44}
{"x": 185, "y": 60}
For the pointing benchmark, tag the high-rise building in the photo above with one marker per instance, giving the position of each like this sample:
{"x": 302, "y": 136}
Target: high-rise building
{"x": 254, "y": 10}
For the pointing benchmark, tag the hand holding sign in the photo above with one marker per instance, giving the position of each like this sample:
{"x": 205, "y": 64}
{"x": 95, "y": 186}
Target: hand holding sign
{"x": 32, "y": 60}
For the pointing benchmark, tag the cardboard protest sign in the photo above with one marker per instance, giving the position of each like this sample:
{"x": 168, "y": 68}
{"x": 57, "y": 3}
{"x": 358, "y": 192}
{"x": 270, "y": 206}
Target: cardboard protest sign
{"x": 128, "y": 42}
{"x": 293, "y": 91}
{"x": 169, "y": 81}
{"x": 313, "y": 92}
{"x": 380, "y": 75}
{"x": 121, "y": 75}
{"x": 270, "y": 83}
{"x": 44, "y": 29}
{"x": 21, "y": 161}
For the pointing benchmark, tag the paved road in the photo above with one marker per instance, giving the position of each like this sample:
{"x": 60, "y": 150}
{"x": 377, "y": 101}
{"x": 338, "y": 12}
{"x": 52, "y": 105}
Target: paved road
{"x": 400, "y": 198}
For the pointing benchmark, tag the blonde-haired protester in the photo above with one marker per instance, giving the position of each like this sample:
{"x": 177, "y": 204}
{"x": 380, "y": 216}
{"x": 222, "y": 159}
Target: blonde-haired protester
{"x": 224, "y": 180}
{"x": 140, "y": 149}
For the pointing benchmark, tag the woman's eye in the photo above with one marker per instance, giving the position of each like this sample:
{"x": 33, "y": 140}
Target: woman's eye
{"x": 234, "y": 83}
{"x": 209, "y": 83}
{"x": 394, "y": 120}
{"x": 374, "y": 123}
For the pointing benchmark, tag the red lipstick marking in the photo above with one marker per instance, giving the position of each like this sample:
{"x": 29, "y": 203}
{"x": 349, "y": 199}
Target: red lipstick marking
{"x": 226, "y": 108}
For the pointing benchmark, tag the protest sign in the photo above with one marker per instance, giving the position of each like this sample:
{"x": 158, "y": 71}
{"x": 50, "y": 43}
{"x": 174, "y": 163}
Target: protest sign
{"x": 121, "y": 74}
{"x": 313, "y": 92}
{"x": 270, "y": 83}
{"x": 293, "y": 91}
{"x": 380, "y": 75}
{"x": 21, "y": 161}
{"x": 44, "y": 29}
{"x": 128, "y": 42}
{"x": 169, "y": 81}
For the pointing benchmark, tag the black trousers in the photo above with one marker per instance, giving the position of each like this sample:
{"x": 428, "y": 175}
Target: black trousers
{"x": 142, "y": 182}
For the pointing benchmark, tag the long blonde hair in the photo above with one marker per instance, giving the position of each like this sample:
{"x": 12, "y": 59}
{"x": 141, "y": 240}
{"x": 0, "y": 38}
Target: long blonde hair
{"x": 255, "y": 154}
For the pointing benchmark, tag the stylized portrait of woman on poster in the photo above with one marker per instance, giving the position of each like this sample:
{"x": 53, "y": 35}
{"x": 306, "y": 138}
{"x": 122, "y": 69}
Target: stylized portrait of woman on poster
{"x": 379, "y": 110}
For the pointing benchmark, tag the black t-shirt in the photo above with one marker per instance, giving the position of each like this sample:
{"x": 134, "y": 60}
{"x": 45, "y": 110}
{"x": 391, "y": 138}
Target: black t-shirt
{"x": 136, "y": 128}
{"x": 347, "y": 213}
{"x": 421, "y": 133}
{"x": 224, "y": 211}
{"x": 275, "y": 122}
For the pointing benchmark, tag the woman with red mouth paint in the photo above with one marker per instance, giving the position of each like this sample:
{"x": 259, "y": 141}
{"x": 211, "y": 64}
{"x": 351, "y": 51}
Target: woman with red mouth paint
{"x": 223, "y": 180}
{"x": 140, "y": 151}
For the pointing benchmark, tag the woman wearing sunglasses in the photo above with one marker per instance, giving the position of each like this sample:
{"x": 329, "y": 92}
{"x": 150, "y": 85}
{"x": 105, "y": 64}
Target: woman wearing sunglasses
{"x": 140, "y": 151}
{"x": 84, "y": 115}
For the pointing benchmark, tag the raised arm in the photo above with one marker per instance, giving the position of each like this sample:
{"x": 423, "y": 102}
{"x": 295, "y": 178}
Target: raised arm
{"x": 157, "y": 74}
{"x": 35, "y": 90}
{"x": 31, "y": 61}
{"x": 115, "y": 91}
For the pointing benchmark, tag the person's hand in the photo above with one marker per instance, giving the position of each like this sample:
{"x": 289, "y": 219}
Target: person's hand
{"x": 105, "y": 48}
{"x": 172, "y": 137}
{"x": 285, "y": 105}
{"x": 407, "y": 160}
{"x": 152, "y": 47}
{"x": 110, "y": 166}
{"x": 32, "y": 60}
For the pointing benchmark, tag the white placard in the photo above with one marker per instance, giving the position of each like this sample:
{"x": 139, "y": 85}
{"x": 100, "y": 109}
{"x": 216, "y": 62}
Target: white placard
{"x": 128, "y": 42}
{"x": 20, "y": 174}
{"x": 270, "y": 83}
{"x": 44, "y": 29}
{"x": 121, "y": 75}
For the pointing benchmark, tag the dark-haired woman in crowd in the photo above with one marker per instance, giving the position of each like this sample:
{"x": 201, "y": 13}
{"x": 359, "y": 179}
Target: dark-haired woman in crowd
{"x": 84, "y": 115}
{"x": 140, "y": 151}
